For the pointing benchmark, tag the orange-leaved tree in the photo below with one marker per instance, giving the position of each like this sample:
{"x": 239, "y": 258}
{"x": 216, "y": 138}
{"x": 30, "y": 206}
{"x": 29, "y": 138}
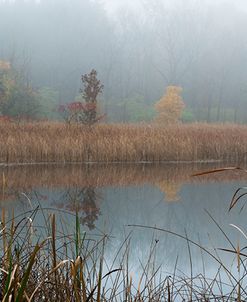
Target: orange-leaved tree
{"x": 170, "y": 106}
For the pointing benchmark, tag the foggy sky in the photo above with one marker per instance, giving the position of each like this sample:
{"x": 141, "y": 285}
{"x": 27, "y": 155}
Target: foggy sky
{"x": 114, "y": 5}
{"x": 138, "y": 47}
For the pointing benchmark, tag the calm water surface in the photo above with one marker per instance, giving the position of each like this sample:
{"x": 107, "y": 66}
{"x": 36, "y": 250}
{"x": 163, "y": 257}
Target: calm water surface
{"x": 110, "y": 198}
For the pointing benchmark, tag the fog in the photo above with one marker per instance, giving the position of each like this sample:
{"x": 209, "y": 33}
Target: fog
{"x": 138, "y": 47}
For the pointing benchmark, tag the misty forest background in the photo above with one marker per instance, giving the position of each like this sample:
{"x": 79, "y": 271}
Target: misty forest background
{"x": 197, "y": 45}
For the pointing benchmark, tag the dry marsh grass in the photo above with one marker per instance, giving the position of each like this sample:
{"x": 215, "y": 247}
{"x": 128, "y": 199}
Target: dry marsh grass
{"x": 72, "y": 267}
{"x": 47, "y": 262}
{"x": 59, "y": 142}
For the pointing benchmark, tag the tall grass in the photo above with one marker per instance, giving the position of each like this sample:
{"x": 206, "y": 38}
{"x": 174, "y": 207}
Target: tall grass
{"x": 58, "y": 142}
{"x": 46, "y": 264}
{"x": 49, "y": 263}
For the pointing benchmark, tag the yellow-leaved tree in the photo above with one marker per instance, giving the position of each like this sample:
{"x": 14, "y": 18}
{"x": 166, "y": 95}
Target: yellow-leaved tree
{"x": 6, "y": 82}
{"x": 4, "y": 65}
{"x": 170, "y": 106}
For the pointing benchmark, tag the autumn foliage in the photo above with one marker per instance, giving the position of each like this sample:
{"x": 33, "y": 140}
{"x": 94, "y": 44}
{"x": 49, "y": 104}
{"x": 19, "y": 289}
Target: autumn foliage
{"x": 170, "y": 106}
{"x": 6, "y": 82}
{"x": 4, "y": 65}
{"x": 86, "y": 111}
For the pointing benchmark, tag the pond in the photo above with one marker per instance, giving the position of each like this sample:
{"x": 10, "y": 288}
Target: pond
{"x": 111, "y": 198}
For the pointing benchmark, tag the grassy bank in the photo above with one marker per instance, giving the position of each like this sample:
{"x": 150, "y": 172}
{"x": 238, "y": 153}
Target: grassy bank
{"x": 47, "y": 263}
{"x": 58, "y": 142}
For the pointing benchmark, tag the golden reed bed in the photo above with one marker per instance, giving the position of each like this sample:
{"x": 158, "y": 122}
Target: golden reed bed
{"x": 58, "y": 142}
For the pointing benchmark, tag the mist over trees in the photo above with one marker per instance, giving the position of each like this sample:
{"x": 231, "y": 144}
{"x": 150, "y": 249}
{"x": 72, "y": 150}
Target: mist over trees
{"x": 197, "y": 45}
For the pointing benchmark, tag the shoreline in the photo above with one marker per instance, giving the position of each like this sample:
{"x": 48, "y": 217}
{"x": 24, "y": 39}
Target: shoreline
{"x": 3, "y": 165}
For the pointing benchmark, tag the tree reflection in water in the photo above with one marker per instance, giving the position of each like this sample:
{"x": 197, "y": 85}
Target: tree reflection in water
{"x": 84, "y": 202}
{"x": 170, "y": 189}
{"x": 77, "y": 187}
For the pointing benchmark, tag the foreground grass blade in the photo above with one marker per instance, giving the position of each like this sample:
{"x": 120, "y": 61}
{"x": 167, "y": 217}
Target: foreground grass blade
{"x": 236, "y": 198}
{"x": 9, "y": 284}
{"x": 217, "y": 170}
{"x": 50, "y": 273}
{"x": 94, "y": 289}
{"x": 192, "y": 242}
{"x": 25, "y": 278}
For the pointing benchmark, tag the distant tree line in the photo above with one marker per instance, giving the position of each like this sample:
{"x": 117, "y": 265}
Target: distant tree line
{"x": 137, "y": 55}
{"x": 19, "y": 100}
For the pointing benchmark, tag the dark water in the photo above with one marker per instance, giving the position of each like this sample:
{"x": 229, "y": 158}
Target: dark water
{"x": 109, "y": 199}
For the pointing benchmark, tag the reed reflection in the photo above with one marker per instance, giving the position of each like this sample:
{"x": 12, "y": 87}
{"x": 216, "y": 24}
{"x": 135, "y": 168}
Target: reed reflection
{"x": 79, "y": 185}
{"x": 109, "y": 198}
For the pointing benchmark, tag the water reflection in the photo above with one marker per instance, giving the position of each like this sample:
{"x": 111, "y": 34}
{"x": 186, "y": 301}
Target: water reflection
{"x": 83, "y": 201}
{"x": 109, "y": 198}
{"x": 168, "y": 178}
{"x": 171, "y": 190}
